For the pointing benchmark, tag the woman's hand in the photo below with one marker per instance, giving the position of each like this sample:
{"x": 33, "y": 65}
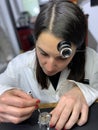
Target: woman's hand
{"x": 72, "y": 108}
{"x": 16, "y": 106}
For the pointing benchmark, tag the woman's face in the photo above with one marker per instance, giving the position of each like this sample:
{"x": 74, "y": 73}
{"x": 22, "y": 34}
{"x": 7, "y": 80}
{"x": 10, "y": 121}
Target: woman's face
{"x": 49, "y": 57}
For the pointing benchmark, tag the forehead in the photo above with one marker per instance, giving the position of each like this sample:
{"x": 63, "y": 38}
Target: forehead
{"x": 48, "y": 41}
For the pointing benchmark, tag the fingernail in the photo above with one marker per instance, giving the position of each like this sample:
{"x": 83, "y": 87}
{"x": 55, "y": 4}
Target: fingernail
{"x": 36, "y": 106}
{"x": 38, "y": 101}
{"x": 51, "y": 126}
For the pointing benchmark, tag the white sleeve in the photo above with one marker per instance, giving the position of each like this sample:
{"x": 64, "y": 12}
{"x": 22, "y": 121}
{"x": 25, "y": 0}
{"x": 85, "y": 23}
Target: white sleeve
{"x": 11, "y": 78}
{"x": 7, "y": 78}
{"x": 90, "y": 90}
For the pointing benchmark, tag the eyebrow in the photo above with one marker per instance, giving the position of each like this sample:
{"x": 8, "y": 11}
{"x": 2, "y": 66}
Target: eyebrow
{"x": 41, "y": 49}
{"x": 47, "y": 53}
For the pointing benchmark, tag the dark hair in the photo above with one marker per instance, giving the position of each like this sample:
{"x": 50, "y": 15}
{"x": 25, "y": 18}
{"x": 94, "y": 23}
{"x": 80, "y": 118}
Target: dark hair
{"x": 65, "y": 20}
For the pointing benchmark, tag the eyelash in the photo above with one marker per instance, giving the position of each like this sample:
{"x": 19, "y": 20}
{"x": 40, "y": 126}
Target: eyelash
{"x": 62, "y": 59}
{"x": 44, "y": 54}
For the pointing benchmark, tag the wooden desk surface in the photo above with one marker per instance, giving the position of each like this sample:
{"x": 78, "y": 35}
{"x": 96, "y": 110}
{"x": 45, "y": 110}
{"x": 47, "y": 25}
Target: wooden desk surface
{"x": 50, "y": 105}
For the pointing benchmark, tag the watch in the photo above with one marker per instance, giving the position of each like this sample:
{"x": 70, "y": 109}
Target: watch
{"x": 44, "y": 118}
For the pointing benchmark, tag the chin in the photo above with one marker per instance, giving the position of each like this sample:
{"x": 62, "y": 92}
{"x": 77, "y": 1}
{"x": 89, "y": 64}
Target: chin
{"x": 50, "y": 73}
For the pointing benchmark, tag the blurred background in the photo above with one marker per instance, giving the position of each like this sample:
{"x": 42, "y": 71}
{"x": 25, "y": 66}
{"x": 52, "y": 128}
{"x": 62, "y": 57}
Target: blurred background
{"x": 17, "y": 18}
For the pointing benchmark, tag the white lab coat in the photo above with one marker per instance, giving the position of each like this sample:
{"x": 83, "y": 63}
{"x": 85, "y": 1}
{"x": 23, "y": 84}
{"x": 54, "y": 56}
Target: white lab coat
{"x": 21, "y": 74}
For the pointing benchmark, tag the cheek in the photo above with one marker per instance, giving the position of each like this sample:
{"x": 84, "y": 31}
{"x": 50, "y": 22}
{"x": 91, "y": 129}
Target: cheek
{"x": 40, "y": 58}
{"x": 38, "y": 55}
{"x": 64, "y": 64}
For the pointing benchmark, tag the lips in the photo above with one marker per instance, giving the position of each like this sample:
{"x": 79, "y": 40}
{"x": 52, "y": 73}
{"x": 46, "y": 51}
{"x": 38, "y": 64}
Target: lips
{"x": 49, "y": 73}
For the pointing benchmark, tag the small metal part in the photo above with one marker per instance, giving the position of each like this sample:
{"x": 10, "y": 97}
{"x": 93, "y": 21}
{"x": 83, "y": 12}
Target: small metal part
{"x": 44, "y": 119}
{"x": 30, "y": 93}
{"x": 38, "y": 110}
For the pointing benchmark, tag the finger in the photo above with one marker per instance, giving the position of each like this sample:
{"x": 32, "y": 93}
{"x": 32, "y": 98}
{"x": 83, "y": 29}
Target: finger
{"x": 9, "y": 118}
{"x": 74, "y": 116}
{"x": 55, "y": 116}
{"x": 18, "y": 93}
{"x": 84, "y": 116}
{"x": 18, "y": 112}
{"x": 63, "y": 117}
{"x": 56, "y": 112}
{"x": 60, "y": 106}
{"x": 17, "y": 101}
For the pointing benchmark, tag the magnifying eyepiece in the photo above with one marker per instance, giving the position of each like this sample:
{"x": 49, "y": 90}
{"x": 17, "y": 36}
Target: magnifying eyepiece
{"x": 64, "y": 47}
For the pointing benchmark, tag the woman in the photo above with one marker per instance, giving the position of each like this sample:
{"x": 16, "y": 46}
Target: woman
{"x": 60, "y": 69}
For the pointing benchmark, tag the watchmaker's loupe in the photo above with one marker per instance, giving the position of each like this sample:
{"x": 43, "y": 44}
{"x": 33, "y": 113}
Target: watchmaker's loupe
{"x": 64, "y": 47}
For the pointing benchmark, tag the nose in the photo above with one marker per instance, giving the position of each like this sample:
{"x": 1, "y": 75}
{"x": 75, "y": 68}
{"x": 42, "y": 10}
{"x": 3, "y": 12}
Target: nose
{"x": 51, "y": 64}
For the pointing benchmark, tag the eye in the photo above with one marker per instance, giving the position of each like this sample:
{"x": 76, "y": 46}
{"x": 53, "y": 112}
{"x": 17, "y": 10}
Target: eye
{"x": 62, "y": 59}
{"x": 43, "y": 53}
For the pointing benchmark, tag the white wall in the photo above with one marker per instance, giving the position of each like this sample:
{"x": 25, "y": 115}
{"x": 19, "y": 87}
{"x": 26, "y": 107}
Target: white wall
{"x": 92, "y": 23}
{"x": 5, "y": 20}
{"x": 6, "y": 23}
{"x": 42, "y": 1}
